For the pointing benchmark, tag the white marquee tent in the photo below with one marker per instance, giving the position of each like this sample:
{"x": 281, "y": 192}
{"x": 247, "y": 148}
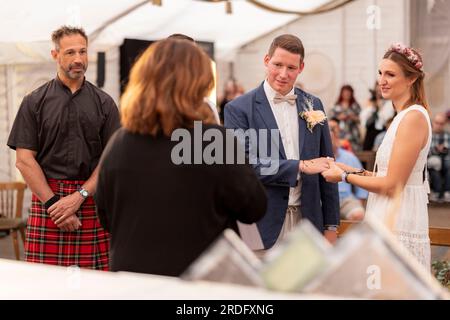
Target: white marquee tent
{"x": 27, "y": 24}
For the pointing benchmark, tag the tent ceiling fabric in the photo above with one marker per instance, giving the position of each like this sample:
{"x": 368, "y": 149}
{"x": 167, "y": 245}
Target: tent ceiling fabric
{"x": 29, "y": 22}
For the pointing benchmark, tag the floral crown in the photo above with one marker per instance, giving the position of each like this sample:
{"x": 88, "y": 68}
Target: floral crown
{"x": 409, "y": 54}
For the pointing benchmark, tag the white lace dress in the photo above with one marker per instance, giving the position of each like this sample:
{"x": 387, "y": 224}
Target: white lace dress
{"x": 411, "y": 227}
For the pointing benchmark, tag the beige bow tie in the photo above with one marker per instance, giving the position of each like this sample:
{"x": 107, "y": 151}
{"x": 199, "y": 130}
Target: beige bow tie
{"x": 291, "y": 99}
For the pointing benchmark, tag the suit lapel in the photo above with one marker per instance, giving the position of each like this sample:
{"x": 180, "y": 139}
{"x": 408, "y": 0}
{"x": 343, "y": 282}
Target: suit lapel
{"x": 301, "y": 123}
{"x": 265, "y": 111}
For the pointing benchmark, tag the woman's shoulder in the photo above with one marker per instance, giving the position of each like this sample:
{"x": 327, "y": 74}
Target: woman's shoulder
{"x": 114, "y": 140}
{"x": 123, "y": 138}
{"x": 119, "y": 135}
{"x": 416, "y": 111}
{"x": 419, "y": 107}
{"x": 414, "y": 118}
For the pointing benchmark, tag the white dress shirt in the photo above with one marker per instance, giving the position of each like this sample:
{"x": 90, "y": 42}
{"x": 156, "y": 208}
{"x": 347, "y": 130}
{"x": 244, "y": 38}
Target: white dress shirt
{"x": 213, "y": 107}
{"x": 286, "y": 116}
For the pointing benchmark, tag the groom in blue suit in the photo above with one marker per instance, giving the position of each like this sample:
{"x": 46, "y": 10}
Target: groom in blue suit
{"x": 302, "y": 144}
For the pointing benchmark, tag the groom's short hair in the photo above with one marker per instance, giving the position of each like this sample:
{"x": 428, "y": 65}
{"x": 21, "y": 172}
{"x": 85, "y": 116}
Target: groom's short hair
{"x": 289, "y": 43}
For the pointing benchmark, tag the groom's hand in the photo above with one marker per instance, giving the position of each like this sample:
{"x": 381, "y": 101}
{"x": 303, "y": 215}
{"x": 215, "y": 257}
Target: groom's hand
{"x": 314, "y": 166}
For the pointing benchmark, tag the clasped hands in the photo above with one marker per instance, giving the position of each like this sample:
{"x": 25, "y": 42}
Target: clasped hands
{"x": 63, "y": 212}
{"x": 317, "y": 165}
{"x": 330, "y": 170}
{"x": 334, "y": 174}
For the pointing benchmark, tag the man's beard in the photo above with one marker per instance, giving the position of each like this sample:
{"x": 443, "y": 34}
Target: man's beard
{"x": 75, "y": 75}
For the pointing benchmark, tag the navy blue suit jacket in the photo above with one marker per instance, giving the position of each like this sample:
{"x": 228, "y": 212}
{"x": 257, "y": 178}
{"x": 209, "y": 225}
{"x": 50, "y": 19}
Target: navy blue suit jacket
{"x": 319, "y": 199}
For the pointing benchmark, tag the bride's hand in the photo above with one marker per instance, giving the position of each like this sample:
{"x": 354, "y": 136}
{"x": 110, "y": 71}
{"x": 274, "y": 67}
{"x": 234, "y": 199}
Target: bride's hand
{"x": 334, "y": 174}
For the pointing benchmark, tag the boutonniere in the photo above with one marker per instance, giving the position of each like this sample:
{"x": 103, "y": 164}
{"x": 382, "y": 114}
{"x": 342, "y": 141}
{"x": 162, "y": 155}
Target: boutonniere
{"x": 311, "y": 116}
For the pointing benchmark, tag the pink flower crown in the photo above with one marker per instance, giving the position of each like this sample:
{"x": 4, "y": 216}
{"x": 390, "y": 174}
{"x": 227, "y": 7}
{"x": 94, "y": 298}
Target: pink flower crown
{"x": 409, "y": 54}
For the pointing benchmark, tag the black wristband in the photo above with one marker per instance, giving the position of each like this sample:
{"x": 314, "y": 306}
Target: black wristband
{"x": 51, "y": 201}
{"x": 359, "y": 172}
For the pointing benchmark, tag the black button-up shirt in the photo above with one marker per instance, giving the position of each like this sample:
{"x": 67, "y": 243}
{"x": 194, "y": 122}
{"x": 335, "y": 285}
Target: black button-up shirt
{"x": 68, "y": 131}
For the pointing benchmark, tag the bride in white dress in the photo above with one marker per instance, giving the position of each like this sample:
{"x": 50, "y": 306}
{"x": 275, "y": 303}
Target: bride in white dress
{"x": 401, "y": 158}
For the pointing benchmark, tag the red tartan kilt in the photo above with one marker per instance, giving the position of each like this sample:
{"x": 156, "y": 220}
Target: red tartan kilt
{"x": 87, "y": 247}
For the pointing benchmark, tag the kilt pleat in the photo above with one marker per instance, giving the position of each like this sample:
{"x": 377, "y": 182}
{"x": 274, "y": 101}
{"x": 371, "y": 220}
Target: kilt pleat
{"x": 87, "y": 247}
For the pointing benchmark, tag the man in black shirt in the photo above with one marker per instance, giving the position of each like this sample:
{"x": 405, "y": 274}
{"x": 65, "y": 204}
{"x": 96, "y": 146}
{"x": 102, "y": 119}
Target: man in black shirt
{"x": 59, "y": 134}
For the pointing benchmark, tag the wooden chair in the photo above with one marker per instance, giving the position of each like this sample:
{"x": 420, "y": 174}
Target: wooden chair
{"x": 11, "y": 203}
{"x": 438, "y": 236}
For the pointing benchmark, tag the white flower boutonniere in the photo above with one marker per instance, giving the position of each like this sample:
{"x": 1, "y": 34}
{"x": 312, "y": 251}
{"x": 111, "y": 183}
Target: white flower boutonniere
{"x": 311, "y": 116}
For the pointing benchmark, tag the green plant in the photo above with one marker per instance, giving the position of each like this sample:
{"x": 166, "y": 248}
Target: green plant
{"x": 442, "y": 272}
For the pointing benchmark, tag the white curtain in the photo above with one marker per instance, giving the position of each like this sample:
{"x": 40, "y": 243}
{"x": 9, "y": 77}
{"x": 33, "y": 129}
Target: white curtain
{"x": 430, "y": 21}
{"x": 430, "y": 33}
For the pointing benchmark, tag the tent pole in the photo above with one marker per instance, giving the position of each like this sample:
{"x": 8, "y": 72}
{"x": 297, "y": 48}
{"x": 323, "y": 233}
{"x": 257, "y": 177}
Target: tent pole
{"x": 99, "y": 30}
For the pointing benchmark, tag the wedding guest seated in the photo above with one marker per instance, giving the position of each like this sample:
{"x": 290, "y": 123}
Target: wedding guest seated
{"x": 158, "y": 194}
{"x": 346, "y": 145}
{"x": 439, "y": 160}
{"x": 351, "y": 206}
{"x": 347, "y": 110}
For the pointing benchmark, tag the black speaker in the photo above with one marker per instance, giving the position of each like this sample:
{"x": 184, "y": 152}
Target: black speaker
{"x": 130, "y": 51}
{"x": 208, "y": 47}
{"x": 100, "y": 69}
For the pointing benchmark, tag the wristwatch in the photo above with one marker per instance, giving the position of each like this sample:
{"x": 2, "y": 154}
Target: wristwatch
{"x": 84, "y": 193}
{"x": 344, "y": 176}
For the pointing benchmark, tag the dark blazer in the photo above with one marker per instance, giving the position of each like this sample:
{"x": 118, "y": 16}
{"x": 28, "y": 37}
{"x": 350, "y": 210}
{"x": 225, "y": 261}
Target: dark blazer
{"x": 319, "y": 199}
{"x": 161, "y": 215}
